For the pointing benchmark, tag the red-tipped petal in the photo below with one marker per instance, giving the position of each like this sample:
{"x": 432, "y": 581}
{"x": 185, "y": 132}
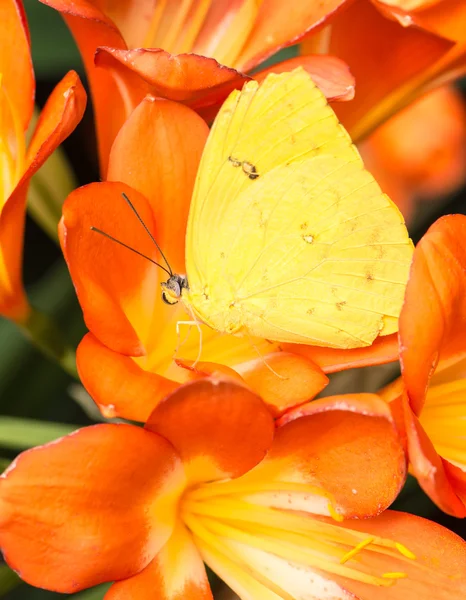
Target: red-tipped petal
{"x": 436, "y": 296}
{"x": 94, "y": 506}
{"x": 117, "y": 384}
{"x": 17, "y": 74}
{"x": 219, "y": 428}
{"x": 329, "y": 73}
{"x": 283, "y": 380}
{"x": 157, "y": 152}
{"x": 62, "y": 112}
{"x": 196, "y": 80}
{"x": 344, "y": 445}
{"x": 117, "y": 288}
{"x": 177, "y": 573}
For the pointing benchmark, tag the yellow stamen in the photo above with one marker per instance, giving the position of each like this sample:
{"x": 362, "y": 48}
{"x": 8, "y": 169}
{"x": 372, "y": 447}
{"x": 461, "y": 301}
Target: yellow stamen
{"x": 333, "y": 513}
{"x": 404, "y": 551}
{"x": 395, "y": 575}
{"x": 287, "y": 551}
{"x": 356, "y": 550}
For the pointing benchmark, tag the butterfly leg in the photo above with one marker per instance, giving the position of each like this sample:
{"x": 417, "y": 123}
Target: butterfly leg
{"x": 178, "y": 345}
{"x": 264, "y": 360}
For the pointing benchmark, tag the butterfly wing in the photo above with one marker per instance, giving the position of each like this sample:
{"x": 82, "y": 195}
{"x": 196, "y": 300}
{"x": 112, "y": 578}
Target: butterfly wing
{"x": 288, "y": 234}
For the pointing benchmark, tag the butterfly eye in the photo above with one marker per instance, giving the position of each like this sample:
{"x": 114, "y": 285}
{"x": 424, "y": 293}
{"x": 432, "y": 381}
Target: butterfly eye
{"x": 165, "y": 298}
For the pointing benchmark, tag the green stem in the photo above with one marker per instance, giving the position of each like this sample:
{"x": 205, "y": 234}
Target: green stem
{"x": 43, "y": 332}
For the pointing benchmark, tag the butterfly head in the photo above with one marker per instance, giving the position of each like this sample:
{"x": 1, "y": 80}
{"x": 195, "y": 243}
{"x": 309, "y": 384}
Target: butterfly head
{"x": 173, "y": 288}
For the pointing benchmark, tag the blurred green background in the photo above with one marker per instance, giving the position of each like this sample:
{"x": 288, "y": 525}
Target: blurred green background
{"x": 38, "y": 401}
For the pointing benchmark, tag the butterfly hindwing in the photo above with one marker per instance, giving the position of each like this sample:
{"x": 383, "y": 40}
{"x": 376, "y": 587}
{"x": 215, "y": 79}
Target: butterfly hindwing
{"x": 287, "y": 227}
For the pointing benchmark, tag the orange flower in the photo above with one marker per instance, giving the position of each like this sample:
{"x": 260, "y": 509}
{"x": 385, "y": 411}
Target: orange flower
{"x": 420, "y": 153}
{"x": 257, "y": 508}
{"x": 127, "y": 361}
{"x": 18, "y": 164}
{"x": 396, "y": 50}
{"x": 430, "y": 400}
{"x": 191, "y": 52}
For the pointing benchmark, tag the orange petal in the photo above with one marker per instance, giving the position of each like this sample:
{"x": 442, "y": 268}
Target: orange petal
{"x": 117, "y": 288}
{"x": 94, "y": 506}
{"x": 385, "y": 58}
{"x": 59, "y": 117}
{"x": 437, "y": 572}
{"x": 329, "y": 73}
{"x": 157, "y": 152}
{"x": 428, "y": 161}
{"x": 15, "y": 59}
{"x": 177, "y": 573}
{"x": 445, "y": 19}
{"x": 435, "y": 295}
{"x": 113, "y": 101}
{"x": 118, "y": 386}
{"x": 195, "y": 80}
{"x": 202, "y": 369}
{"x": 227, "y": 26}
{"x": 331, "y": 360}
{"x": 280, "y": 24}
{"x": 283, "y": 380}
{"x": 219, "y": 428}
{"x": 344, "y": 445}
{"x": 429, "y": 468}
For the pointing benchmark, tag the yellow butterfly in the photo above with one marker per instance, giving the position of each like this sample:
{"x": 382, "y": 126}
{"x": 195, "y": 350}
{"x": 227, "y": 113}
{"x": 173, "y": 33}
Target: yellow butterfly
{"x": 289, "y": 238}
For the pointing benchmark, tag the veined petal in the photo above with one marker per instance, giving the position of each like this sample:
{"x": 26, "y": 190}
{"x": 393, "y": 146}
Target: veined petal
{"x": 435, "y": 294}
{"x": 329, "y": 73}
{"x": 94, "y": 506}
{"x": 283, "y": 380}
{"x": 330, "y": 360}
{"x": 117, "y": 384}
{"x": 279, "y": 24}
{"x": 15, "y": 60}
{"x": 227, "y": 26}
{"x": 197, "y": 81}
{"x": 59, "y": 117}
{"x": 345, "y": 447}
{"x": 386, "y": 60}
{"x": 219, "y": 428}
{"x": 92, "y": 28}
{"x": 157, "y": 152}
{"x": 117, "y": 288}
{"x": 176, "y": 573}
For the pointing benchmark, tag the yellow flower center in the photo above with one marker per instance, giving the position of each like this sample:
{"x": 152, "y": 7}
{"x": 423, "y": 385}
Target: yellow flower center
{"x": 444, "y": 420}
{"x": 235, "y": 530}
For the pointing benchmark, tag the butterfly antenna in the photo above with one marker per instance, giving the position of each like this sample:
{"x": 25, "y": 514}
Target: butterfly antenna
{"x": 133, "y": 208}
{"x": 110, "y": 237}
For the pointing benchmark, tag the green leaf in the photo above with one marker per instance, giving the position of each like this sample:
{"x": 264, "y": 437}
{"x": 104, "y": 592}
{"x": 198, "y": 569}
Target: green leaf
{"x": 18, "y": 434}
{"x": 8, "y": 580}
{"x": 53, "y": 49}
{"x": 96, "y": 593}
